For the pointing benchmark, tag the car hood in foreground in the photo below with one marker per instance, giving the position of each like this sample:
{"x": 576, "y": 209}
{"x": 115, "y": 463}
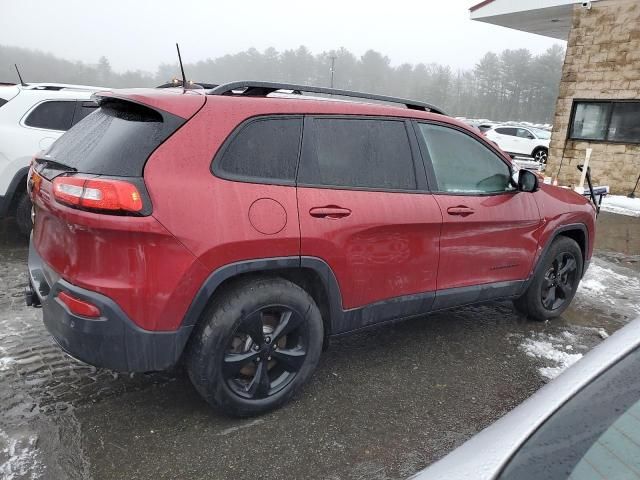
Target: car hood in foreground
{"x": 484, "y": 456}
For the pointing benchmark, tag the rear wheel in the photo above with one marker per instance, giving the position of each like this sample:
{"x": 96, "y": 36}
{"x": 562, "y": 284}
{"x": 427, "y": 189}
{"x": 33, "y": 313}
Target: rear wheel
{"x": 23, "y": 214}
{"x": 555, "y": 283}
{"x": 256, "y": 346}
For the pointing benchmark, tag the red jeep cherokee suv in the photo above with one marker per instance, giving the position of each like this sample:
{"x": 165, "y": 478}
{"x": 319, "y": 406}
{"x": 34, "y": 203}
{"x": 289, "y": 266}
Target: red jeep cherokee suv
{"x": 239, "y": 228}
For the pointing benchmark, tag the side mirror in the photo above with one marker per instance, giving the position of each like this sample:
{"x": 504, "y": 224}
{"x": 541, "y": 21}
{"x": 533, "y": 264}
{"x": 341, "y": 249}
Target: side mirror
{"x": 527, "y": 181}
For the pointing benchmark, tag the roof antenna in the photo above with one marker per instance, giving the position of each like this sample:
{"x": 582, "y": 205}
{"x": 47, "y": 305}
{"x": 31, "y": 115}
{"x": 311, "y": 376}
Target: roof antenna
{"x": 20, "y": 76}
{"x": 184, "y": 78}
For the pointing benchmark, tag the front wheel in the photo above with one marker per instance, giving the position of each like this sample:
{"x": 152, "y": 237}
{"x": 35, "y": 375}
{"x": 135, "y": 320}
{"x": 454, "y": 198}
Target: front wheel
{"x": 540, "y": 155}
{"x": 256, "y": 346}
{"x": 554, "y": 285}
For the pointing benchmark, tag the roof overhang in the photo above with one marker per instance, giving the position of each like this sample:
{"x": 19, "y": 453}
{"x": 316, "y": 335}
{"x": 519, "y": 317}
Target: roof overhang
{"x": 551, "y": 18}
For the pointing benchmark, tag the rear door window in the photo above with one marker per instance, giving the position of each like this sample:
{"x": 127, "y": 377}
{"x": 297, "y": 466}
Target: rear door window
{"x": 263, "y": 150}
{"x": 361, "y": 153}
{"x": 52, "y": 115}
{"x": 506, "y": 131}
{"x": 2, "y": 101}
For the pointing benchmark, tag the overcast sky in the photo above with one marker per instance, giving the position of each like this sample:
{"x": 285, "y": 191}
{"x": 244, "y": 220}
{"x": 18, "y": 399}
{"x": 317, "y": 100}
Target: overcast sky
{"x": 140, "y": 34}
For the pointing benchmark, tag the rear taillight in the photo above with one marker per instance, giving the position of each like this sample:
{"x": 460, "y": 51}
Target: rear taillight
{"x": 34, "y": 180}
{"x": 79, "y": 307}
{"x": 97, "y": 193}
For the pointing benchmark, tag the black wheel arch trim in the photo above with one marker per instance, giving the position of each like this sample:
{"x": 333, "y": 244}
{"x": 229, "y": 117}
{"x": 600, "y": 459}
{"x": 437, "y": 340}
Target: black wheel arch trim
{"x": 557, "y": 232}
{"x": 343, "y": 321}
{"x": 265, "y": 265}
{"x": 226, "y": 272}
{"x": 9, "y": 197}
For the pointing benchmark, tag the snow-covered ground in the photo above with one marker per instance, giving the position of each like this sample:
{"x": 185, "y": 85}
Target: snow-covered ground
{"x": 622, "y": 205}
{"x": 606, "y": 287}
{"x": 611, "y": 291}
{"x": 557, "y": 352}
{"x": 602, "y": 285}
{"x": 19, "y": 457}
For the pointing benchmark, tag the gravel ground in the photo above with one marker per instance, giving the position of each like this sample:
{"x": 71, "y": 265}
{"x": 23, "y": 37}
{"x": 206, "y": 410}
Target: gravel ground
{"x": 383, "y": 403}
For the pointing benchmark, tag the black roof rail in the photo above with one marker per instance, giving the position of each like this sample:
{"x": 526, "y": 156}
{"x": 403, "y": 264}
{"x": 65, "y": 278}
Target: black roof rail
{"x": 260, "y": 89}
{"x": 178, "y": 83}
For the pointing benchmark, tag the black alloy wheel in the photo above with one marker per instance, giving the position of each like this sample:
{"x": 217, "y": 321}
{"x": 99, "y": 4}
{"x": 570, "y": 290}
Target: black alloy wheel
{"x": 555, "y": 281}
{"x": 559, "y": 281}
{"x": 256, "y": 345}
{"x": 266, "y": 352}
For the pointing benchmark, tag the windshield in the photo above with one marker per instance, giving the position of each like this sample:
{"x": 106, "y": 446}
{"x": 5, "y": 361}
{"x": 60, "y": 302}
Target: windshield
{"x": 542, "y": 134}
{"x": 597, "y": 430}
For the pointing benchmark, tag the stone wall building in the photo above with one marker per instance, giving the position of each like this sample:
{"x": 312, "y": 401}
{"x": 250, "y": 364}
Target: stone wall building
{"x": 598, "y": 105}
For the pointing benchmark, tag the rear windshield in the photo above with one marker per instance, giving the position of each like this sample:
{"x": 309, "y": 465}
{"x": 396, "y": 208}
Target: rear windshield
{"x": 117, "y": 139}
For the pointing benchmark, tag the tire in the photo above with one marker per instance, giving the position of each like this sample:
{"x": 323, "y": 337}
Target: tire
{"x": 23, "y": 214}
{"x": 232, "y": 350}
{"x": 551, "y": 290}
{"x": 540, "y": 155}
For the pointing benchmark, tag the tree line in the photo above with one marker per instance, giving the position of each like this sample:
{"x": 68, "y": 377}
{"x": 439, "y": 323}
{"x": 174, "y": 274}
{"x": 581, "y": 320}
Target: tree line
{"x": 511, "y": 85}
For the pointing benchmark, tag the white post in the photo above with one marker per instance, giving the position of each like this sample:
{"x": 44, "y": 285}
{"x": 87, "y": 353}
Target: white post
{"x": 580, "y": 187}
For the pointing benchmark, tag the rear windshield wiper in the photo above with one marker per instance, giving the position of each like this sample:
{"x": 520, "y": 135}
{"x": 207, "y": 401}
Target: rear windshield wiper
{"x": 53, "y": 164}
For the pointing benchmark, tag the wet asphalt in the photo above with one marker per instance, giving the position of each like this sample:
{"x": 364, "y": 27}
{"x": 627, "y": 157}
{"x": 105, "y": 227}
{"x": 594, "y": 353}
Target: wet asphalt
{"x": 382, "y": 405}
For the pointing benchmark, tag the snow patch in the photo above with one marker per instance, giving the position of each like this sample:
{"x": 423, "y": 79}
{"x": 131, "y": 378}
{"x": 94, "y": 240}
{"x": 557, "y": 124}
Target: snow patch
{"x": 545, "y": 350}
{"x": 621, "y": 205}
{"x": 604, "y": 285}
{"x": 5, "y": 363}
{"x": 19, "y": 457}
{"x": 592, "y": 285}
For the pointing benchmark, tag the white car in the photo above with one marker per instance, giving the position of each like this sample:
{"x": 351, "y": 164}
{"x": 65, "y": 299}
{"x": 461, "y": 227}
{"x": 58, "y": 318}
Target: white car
{"x": 518, "y": 140}
{"x": 32, "y": 117}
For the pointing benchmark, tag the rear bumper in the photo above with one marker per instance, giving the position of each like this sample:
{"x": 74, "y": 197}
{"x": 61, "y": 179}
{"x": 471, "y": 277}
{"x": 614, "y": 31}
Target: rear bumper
{"x": 111, "y": 341}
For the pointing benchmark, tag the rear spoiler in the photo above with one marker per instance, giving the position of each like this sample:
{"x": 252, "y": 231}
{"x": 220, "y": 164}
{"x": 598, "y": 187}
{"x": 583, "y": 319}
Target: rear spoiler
{"x": 175, "y": 102}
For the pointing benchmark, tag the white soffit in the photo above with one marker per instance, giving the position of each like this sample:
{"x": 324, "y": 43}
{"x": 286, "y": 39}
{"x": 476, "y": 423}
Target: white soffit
{"x": 551, "y": 18}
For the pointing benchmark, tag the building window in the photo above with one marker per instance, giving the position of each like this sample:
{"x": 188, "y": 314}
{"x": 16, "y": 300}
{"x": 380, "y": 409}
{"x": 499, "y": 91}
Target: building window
{"x": 607, "y": 121}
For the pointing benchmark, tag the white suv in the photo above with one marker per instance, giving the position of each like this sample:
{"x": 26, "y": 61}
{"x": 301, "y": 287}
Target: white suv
{"x": 517, "y": 140}
{"x": 32, "y": 117}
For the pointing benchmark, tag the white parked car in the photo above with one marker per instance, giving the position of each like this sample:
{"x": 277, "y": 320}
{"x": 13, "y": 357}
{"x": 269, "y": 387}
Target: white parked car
{"x": 517, "y": 140}
{"x": 32, "y": 117}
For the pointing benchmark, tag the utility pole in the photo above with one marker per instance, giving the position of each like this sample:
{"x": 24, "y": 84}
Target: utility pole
{"x": 333, "y": 64}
